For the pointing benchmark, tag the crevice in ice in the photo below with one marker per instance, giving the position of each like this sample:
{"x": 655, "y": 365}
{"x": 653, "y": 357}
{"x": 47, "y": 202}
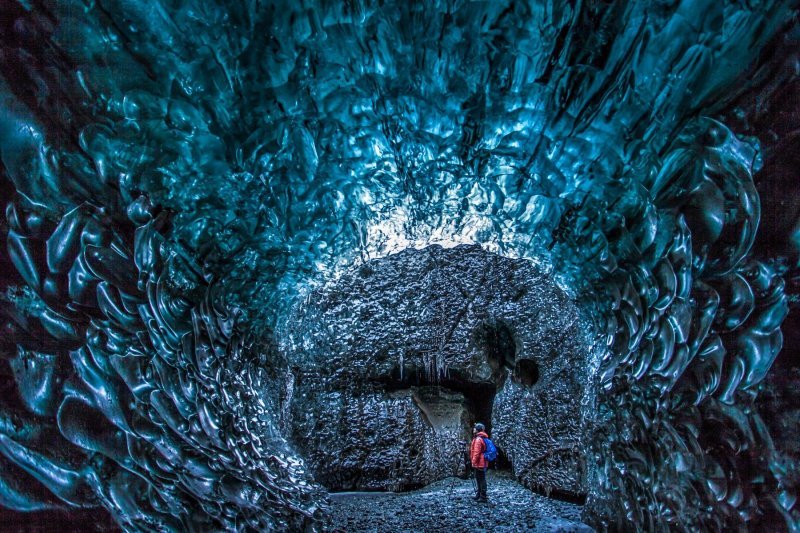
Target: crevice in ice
{"x": 497, "y": 342}
{"x": 526, "y": 371}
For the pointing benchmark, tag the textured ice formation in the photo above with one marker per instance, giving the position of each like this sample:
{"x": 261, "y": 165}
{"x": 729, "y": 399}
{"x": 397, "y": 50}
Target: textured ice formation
{"x": 182, "y": 169}
{"x": 393, "y": 363}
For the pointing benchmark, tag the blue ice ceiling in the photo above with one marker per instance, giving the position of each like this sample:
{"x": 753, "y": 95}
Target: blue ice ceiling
{"x": 184, "y": 169}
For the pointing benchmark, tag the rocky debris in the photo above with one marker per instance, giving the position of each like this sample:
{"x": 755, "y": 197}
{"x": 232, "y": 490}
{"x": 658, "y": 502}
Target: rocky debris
{"x": 392, "y": 363}
{"x": 448, "y": 505}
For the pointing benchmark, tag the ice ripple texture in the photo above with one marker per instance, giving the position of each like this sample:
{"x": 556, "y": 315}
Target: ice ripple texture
{"x": 184, "y": 169}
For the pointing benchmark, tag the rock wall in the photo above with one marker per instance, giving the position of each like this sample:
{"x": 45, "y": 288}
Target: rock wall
{"x": 394, "y": 362}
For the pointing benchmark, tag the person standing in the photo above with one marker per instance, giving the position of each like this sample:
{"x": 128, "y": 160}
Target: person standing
{"x": 479, "y": 462}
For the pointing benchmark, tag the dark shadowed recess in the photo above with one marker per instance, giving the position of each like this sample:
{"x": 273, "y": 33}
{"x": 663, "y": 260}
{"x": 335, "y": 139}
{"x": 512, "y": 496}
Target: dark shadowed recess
{"x": 83, "y": 520}
{"x": 500, "y": 349}
{"x": 770, "y": 112}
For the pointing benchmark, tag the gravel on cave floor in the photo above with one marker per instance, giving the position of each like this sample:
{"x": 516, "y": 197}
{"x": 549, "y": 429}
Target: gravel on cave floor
{"x": 436, "y": 507}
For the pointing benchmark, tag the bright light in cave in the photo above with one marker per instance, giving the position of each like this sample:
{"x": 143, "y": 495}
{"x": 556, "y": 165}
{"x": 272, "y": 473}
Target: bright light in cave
{"x": 391, "y": 235}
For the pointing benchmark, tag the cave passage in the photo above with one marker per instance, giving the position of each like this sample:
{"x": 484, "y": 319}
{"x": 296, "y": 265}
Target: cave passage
{"x": 479, "y": 401}
{"x": 497, "y": 344}
{"x": 479, "y": 395}
{"x": 176, "y": 176}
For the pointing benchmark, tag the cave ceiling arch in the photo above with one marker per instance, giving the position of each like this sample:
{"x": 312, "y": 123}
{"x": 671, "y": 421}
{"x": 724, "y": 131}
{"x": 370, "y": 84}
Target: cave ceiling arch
{"x": 177, "y": 173}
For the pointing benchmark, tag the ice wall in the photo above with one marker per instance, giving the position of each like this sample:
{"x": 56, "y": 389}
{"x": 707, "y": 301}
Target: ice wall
{"x": 183, "y": 168}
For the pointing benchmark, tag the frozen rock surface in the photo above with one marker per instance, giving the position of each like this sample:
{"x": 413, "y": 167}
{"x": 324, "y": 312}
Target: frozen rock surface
{"x": 447, "y": 505}
{"x": 393, "y": 363}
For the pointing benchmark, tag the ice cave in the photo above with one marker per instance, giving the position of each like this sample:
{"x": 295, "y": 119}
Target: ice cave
{"x": 261, "y": 259}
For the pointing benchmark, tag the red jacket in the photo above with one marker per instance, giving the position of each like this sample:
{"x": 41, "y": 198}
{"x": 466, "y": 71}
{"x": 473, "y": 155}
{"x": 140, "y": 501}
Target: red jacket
{"x": 476, "y": 450}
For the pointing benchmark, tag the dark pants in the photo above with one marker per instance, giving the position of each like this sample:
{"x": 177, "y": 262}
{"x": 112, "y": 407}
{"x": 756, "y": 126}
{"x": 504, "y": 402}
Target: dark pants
{"x": 480, "y": 478}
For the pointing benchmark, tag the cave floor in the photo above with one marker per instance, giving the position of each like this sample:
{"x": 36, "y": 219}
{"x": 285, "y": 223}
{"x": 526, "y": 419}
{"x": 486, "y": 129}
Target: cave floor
{"x": 436, "y": 507}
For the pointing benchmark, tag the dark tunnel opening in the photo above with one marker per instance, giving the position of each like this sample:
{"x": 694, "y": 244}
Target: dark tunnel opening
{"x": 479, "y": 398}
{"x": 496, "y": 341}
{"x": 526, "y": 372}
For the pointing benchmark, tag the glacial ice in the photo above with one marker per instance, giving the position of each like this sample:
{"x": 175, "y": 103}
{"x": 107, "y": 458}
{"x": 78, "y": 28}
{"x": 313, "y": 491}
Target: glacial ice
{"x": 184, "y": 169}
